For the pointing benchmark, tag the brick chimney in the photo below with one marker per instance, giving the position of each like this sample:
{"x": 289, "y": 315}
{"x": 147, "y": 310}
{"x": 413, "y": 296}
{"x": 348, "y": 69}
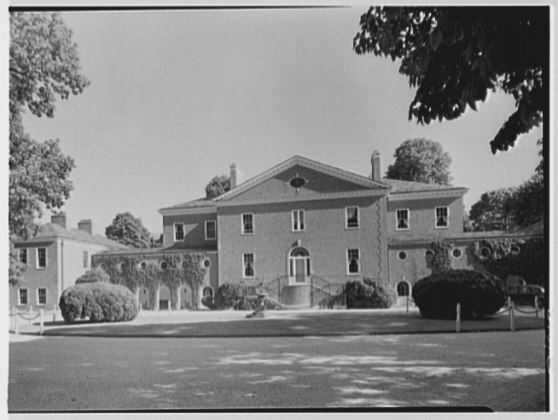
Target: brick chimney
{"x": 375, "y": 161}
{"x": 86, "y": 225}
{"x": 59, "y": 219}
{"x": 233, "y": 176}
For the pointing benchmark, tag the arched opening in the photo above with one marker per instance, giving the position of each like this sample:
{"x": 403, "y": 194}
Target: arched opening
{"x": 207, "y": 292}
{"x": 164, "y": 298}
{"x": 144, "y": 298}
{"x": 299, "y": 265}
{"x": 403, "y": 289}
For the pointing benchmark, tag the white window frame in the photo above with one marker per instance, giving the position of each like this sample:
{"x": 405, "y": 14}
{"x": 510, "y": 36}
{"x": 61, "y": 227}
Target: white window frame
{"x": 347, "y": 217}
{"x": 245, "y": 232}
{"x": 38, "y": 300}
{"x": 295, "y": 221}
{"x": 19, "y": 303}
{"x": 407, "y": 219}
{"x": 207, "y": 222}
{"x": 24, "y": 251}
{"x": 348, "y": 261}
{"x": 460, "y": 253}
{"x": 244, "y": 276}
{"x": 436, "y": 217}
{"x": 174, "y": 232}
{"x": 37, "y": 260}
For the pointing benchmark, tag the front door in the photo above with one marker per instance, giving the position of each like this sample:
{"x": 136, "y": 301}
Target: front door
{"x": 300, "y": 270}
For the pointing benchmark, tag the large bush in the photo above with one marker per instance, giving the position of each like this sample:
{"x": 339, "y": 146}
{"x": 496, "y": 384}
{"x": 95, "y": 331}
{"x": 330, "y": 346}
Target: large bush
{"x": 100, "y": 302}
{"x": 437, "y": 295}
{"x": 95, "y": 275}
{"x": 369, "y": 294}
{"x": 234, "y": 296}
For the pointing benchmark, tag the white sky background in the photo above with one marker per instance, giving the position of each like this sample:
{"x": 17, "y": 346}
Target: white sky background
{"x": 177, "y": 96}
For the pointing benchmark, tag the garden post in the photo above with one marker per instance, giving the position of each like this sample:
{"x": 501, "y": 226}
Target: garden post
{"x": 512, "y": 314}
{"x": 54, "y": 314}
{"x": 458, "y": 318}
{"x": 536, "y": 307}
{"x": 41, "y": 322}
{"x": 178, "y": 299}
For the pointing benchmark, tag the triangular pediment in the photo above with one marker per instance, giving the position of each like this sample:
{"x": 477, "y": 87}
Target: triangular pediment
{"x": 300, "y": 177}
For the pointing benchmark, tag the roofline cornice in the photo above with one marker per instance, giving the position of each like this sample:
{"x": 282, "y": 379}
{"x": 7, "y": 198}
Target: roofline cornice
{"x": 309, "y": 197}
{"x": 415, "y": 195}
{"x": 187, "y": 210}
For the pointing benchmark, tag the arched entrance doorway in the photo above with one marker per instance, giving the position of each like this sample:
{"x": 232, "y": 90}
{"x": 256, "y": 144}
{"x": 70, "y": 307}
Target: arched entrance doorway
{"x": 164, "y": 298}
{"x": 403, "y": 288}
{"x": 143, "y": 295}
{"x": 299, "y": 265}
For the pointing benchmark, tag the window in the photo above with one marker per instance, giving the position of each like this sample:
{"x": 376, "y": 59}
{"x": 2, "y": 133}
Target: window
{"x": 248, "y": 260}
{"x": 442, "y": 219}
{"x": 402, "y": 255}
{"x": 298, "y": 220}
{"x": 402, "y": 219}
{"x": 351, "y": 214}
{"x": 402, "y": 288}
{"x": 353, "y": 261}
{"x": 22, "y": 297}
{"x": 485, "y": 252}
{"x": 23, "y": 255}
{"x": 41, "y": 296}
{"x": 210, "y": 230}
{"x": 247, "y": 223}
{"x": 41, "y": 257}
{"x": 85, "y": 259}
{"x": 457, "y": 253}
{"x": 178, "y": 232}
{"x": 163, "y": 265}
{"x": 142, "y": 266}
{"x": 429, "y": 254}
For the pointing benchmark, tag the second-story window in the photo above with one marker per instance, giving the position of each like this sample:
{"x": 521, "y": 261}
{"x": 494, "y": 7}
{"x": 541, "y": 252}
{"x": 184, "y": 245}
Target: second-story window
{"x": 178, "y": 232}
{"x": 442, "y": 217}
{"x": 352, "y": 217}
{"x": 23, "y": 255}
{"x": 402, "y": 219}
{"x": 210, "y": 230}
{"x": 41, "y": 257}
{"x": 247, "y": 223}
{"x": 298, "y": 220}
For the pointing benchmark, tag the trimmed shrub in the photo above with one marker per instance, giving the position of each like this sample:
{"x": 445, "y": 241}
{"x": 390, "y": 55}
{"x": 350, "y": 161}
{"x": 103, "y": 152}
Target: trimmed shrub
{"x": 438, "y": 294}
{"x": 369, "y": 294}
{"x": 234, "y": 296}
{"x": 95, "y": 275}
{"x": 100, "y": 302}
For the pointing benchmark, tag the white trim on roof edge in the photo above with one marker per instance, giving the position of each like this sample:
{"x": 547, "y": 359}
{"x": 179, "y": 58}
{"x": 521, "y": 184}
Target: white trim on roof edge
{"x": 179, "y": 211}
{"x": 312, "y": 164}
{"x": 413, "y": 195}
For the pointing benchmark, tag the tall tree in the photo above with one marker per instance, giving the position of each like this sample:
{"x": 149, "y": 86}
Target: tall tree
{"x": 528, "y": 203}
{"x": 494, "y": 211}
{"x": 128, "y": 230}
{"x": 421, "y": 160}
{"x": 43, "y": 65}
{"x": 218, "y": 185}
{"x": 455, "y": 55}
{"x": 44, "y": 62}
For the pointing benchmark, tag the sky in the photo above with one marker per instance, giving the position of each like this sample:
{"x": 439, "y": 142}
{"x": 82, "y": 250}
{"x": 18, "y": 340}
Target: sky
{"x": 177, "y": 96}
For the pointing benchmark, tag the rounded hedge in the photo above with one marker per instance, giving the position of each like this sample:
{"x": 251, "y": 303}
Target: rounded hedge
{"x": 437, "y": 295}
{"x": 95, "y": 275}
{"x": 369, "y": 294}
{"x": 100, "y": 302}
